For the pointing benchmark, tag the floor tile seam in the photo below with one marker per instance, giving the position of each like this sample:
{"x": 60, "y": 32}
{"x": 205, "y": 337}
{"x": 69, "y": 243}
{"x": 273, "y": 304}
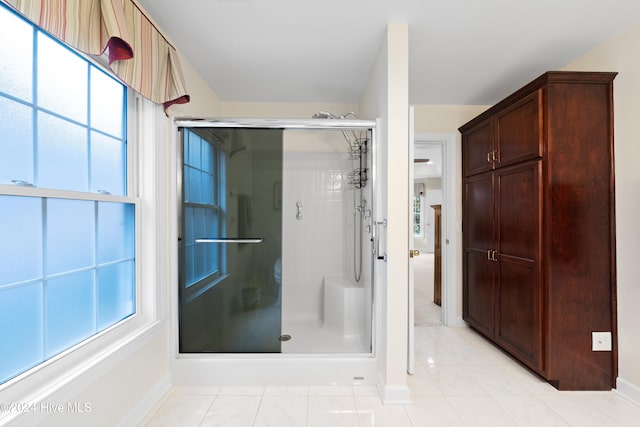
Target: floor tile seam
{"x": 527, "y": 392}
{"x": 204, "y": 417}
{"x": 406, "y": 412}
{"x": 504, "y": 412}
{"x": 255, "y": 416}
{"x": 549, "y": 409}
{"x": 589, "y": 404}
{"x": 454, "y": 411}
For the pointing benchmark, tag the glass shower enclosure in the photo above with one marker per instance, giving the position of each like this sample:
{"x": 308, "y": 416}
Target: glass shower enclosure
{"x": 272, "y": 226}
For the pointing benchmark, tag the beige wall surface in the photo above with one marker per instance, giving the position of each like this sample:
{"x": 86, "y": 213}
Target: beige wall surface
{"x": 283, "y": 110}
{"x": 620, "y": 54}
{"x": 204, "y": 101}
{"x": 447, "y": 119}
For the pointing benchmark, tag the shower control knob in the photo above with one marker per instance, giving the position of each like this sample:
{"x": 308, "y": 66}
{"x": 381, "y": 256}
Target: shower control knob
{"x": 299, "y": 213}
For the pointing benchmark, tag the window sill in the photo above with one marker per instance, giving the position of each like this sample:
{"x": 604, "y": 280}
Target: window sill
{"x": 204, "y": 289}
{"x": 77, "y": 368}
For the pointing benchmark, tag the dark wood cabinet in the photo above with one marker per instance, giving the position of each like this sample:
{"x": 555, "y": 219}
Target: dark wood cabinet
{"x": 539, "y": 228}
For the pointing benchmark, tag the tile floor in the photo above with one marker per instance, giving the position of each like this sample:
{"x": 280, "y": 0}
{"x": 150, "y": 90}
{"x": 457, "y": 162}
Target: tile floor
{"x": 460, "y": 380}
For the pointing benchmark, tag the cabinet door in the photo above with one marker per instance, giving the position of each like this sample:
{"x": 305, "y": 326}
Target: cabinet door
{"x": 477, "y": 148}
{"x": 519, "y": 285}
{"x": 479, "y": 271}
{"x": 519, "y": 131}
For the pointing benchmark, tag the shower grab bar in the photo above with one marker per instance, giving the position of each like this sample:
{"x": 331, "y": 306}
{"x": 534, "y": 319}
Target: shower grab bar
{"x": 230, "y": 240}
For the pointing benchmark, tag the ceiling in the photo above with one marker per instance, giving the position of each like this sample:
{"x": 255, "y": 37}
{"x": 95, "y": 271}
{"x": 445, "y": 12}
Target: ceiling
{"x": 430, "y": 169}
{"x": 470, "y": 52}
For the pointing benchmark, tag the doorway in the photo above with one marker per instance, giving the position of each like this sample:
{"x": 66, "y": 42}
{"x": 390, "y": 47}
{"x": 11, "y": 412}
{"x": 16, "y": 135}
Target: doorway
{"x": 428, "y": 200}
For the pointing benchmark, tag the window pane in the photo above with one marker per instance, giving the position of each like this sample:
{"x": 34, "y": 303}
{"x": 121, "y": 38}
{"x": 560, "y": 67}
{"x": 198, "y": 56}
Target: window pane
{"x": 207, "y": 159}
{"x": 16, "y": 141}
{"x": 115, "y": 232}
{"x": 107, "y": 97}
{"x": 62, "y": 80}
{"x": 70, "y": 311}
{"x": 50, "y": 247}
{"x": 21, "y": 239}
{"x": 16, "y": 42}
{"x": 70, "y": 234}
{"x": 201, "y": 260}
{"x": 200, "y": 225}
{"x": 116, "y": 299}
{"x": 193, "y": 150}
{"x": 107, "y": 164}
{"x": 207, "y": 189}
{"x": 195, "y": 188}
{"x": 20, "y": 329}
{"x": 62, "y": 154}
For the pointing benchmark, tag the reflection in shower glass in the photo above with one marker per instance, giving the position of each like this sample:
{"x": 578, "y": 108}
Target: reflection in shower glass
{"x": 229, "y": 300}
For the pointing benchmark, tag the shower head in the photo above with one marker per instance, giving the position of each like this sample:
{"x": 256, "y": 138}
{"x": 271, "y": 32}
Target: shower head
{"x": 324, "y": 115}
{"x": 327, "y": 115}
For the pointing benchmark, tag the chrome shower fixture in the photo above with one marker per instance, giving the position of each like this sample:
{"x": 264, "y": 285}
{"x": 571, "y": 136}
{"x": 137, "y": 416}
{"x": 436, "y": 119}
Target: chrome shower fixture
{"x": 357, "y": 148}
{"x": 324, "y": 115}
{"x": 327, "y": 115}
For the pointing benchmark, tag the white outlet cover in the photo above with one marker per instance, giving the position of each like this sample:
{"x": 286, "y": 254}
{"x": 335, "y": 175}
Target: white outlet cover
{"x": 601, "y": 341}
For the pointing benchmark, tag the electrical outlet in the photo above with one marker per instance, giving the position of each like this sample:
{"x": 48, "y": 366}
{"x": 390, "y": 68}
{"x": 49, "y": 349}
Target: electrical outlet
{"x": 601, "y": 341}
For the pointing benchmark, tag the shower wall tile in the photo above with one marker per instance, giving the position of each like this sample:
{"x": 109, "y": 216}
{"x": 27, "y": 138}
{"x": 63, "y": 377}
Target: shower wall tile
{"x": 315, "y": 245}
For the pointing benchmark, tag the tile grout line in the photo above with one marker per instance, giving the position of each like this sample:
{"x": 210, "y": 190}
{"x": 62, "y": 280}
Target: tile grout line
{"x": 209, "y": 408}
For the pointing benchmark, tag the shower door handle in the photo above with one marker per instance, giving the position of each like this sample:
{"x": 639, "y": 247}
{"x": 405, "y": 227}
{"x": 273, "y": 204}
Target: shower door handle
{"x": 230, "y": 240}
{"x": 377, "y": 224}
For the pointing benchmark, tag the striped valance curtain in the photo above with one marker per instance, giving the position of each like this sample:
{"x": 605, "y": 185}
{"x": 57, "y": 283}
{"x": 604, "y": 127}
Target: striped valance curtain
{"x": 138, "y": 53}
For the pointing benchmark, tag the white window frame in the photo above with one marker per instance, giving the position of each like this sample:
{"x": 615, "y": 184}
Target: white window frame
{"x": 89, "y": 360}
{"x": 420, "y": 201}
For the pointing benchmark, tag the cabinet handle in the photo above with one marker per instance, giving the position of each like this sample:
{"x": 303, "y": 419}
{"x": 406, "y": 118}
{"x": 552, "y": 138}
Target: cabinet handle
{"x": 489, "y": 255}
{"x": 494, "y": 155}
{"x": 493, "y": 256}
{"x": 489, "y": 157}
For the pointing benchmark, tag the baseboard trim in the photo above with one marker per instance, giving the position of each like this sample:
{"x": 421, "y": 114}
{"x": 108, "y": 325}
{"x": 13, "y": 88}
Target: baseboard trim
{"x": 393, "y": 394}
{"x": 628, "y": 389}
{"x": 144, "y": 407}
{"x": 458, "y": 322}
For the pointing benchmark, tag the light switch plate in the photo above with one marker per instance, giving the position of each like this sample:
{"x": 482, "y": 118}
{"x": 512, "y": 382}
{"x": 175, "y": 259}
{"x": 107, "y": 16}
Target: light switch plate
{"x": 601, "y": 341}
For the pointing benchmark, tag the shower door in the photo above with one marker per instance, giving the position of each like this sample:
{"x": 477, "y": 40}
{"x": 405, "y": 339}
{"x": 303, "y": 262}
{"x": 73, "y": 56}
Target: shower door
{"x": 230, "y": 232}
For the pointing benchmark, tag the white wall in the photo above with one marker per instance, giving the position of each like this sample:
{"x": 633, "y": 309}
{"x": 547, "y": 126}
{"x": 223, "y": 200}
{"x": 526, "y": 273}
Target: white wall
{"x": 620, "y": 54}
{"x": 386, "y": 96}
